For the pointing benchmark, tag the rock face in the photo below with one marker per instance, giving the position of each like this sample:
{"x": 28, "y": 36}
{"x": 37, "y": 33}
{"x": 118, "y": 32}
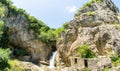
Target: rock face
{"x": 21, "y": 37}
{"x": 97, "y": 25}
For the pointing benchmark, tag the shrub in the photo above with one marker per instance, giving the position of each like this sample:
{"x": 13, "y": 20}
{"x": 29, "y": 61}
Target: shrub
{"x": 65, "y": 25}
{"x": 2, "y": 10}
{"x": 4, "y": 57}
{"x": 50, "y": 35}
{"x": 106, "y": 69}
{"x": 114, "y": 57}
{"x": 15, "y": 66}
{"x": 85, "y": 52}
{"x": 116, "y": 63}
{"x": 6, "y": 2}
{"x": 90, "y": 13}
{"x": 1, "y": 28}
{"x": 5, "y": 39}
{"x": 115, "y": 60}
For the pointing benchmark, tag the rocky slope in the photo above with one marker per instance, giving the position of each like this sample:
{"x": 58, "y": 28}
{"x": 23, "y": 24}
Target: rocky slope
{"x": 96, "y": 24}
{"x": 21, "y": 35}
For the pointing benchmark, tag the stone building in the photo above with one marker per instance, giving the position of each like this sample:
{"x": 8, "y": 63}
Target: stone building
{"x": 94, "y": 64}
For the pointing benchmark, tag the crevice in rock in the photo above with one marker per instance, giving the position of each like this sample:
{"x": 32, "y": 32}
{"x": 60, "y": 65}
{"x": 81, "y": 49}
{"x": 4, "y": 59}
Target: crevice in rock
{"x": 18, "y": 52}
{"x": 54, "y": 48}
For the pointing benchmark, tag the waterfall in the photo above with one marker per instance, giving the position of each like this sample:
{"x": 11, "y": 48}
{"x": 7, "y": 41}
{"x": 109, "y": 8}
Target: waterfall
{"x": 52, "y": 60}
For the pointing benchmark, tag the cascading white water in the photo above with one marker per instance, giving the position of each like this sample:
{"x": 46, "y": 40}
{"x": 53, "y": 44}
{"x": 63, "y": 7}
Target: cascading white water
{"x": 52, "y": 60}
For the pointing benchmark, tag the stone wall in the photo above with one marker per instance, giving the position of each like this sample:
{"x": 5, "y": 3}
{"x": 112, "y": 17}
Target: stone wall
{"x": 91, "y": 63}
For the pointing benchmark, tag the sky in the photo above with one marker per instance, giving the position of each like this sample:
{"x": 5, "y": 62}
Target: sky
{"x": 53, "y": 13}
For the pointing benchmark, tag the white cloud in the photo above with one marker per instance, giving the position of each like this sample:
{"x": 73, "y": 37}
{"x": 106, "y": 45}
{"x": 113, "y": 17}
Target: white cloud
{"x": 72, "y": 9}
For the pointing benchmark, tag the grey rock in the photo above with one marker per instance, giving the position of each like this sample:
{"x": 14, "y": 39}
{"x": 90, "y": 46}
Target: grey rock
{"x": 101, "y": 30}
{"x": 21, "y": 37}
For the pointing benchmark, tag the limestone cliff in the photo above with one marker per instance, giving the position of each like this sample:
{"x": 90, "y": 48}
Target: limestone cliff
{"x": 97, "y": 24}
{"x": 21, "y": 35}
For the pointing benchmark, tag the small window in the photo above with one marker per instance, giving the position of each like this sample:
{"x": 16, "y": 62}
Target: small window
{"x": 86, "y": 63}
{"x": 75, "y": 60}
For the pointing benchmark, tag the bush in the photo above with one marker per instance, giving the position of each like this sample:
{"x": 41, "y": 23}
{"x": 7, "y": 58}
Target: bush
{"x": 6, "y": 2}
{"x": 4, "y": 57}
{"x": 106, "y": 69}
{"x": 90, "y": 13}
{"x": 1, "y": 28}
{"x": 114, "y": 57}
{"x": 85, "y": 52}
{"x": 2, "y": 10}
{"x": 65, "y": 25}
{"x": 115, "y": 60}
{"x": 15, "y": 66}
{"x": 5, "y": 39}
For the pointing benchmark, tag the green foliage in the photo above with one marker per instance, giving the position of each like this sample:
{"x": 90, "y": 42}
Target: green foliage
{"x": 4, "y": 35}
{"x": 2, "y": 10}
{"x": 90, "y": 13}
{"x": 15, "y": 66}
{"x": 50, "y": 35}
{"x": 115, "y": 60}
{"x": 106, "y": 69}
{"x": 6, "y": 2}
{"x": 85, "y": 52}
{"x": 5, "y": 39}
{"x": 1, "y": 28}
{"x": 114, "y": 57}
{"x": 46, "y": 36}
{"x": 4, "y": 57}
{"x": 58, "y": 31}
{"x": 6, "y": 64}
{"x": 65, "y": 25}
